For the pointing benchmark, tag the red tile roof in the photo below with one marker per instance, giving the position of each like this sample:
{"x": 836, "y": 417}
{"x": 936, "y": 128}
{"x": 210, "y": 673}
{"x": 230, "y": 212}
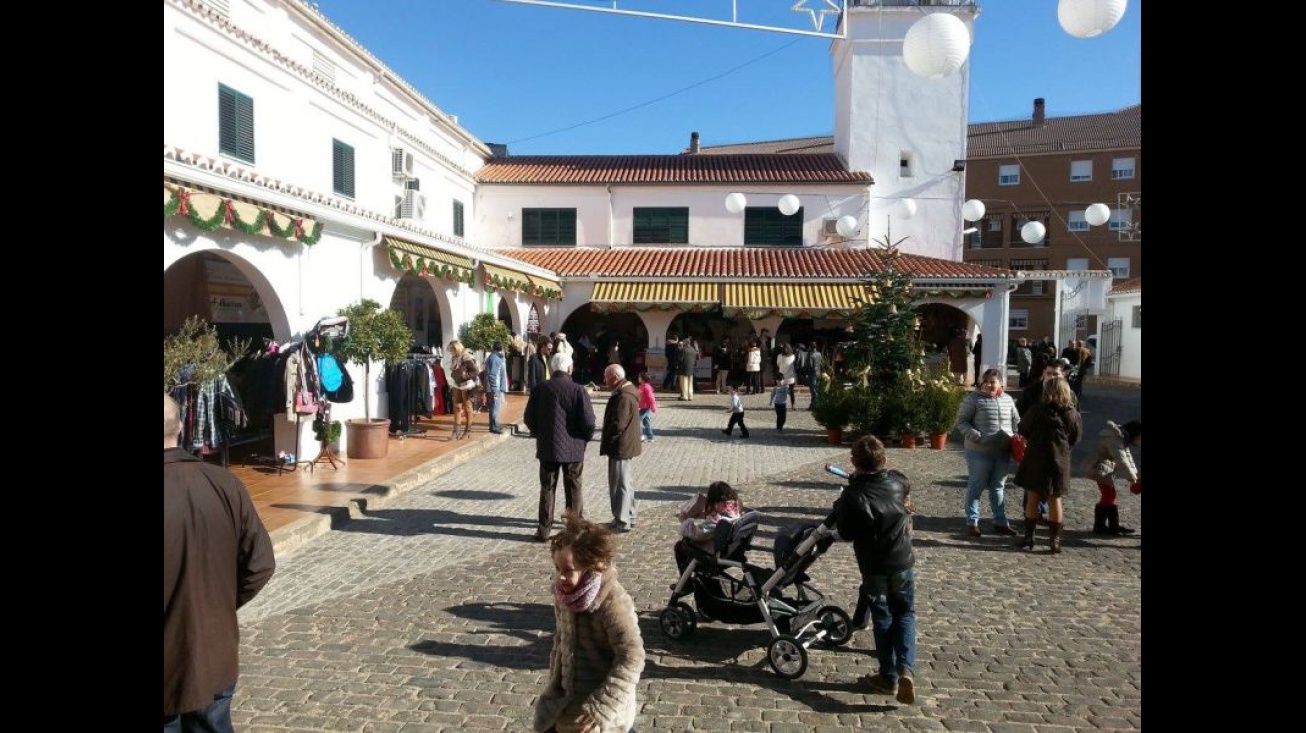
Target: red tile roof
{"x": 806, "y": 264}
{"x": 601, "y": 169}
{"x": 1134, "y": 285}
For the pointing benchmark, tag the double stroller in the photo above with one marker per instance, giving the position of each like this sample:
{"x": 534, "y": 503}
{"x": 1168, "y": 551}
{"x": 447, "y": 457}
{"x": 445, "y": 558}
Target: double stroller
{"x": 729, "y": 589}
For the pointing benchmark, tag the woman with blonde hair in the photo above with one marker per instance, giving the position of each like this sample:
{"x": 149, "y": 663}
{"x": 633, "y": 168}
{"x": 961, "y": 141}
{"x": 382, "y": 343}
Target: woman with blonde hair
{"x": 463, "y": 378}
{"x": 1051, "y": 428}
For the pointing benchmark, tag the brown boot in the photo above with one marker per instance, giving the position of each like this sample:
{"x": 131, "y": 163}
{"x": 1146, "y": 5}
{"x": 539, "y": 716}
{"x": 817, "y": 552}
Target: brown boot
{"x": 1027, "y": 542}
{"x": 1054, "y": 537}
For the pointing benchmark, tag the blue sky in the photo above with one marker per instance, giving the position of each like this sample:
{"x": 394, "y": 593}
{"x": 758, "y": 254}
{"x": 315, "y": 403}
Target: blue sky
{"x": 550, "y": 81}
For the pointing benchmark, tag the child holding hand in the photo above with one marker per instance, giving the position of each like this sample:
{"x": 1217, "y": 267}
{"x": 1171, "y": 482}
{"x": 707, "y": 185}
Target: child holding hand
{"x": 1111, "y": 460}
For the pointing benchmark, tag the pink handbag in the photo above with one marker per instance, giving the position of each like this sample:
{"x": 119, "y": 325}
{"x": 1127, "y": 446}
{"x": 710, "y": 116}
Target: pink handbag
{"x": 1018, "y": 448}
{"x": 305, "y": 402}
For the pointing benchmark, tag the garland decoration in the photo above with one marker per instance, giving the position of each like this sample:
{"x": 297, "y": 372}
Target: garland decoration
{"x": 227, "y": 212}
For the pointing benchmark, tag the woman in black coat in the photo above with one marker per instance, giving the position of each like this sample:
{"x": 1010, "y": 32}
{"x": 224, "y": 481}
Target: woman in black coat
{"x": 1051, "y": 428}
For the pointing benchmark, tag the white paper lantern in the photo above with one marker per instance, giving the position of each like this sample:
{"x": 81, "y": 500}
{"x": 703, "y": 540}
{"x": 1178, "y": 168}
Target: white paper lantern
{"x": 1033, "y": 232}
{"x": 846, "y": 225}
{"x": 905, "y": 209}
{"x": 736, "y": 202}
{"x": 972, "y": 210}
{"x": 936, "y": 45}
{"x": 1088, "y": 18}
{"x": 1097, "y": 214}
{"x": 789, "y": 204}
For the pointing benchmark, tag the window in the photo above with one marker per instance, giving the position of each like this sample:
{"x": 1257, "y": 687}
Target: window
{"x": 1122, "y": 169}
{"x": 1077, "y": 263}
{"x": 1138, "y": 317}
{"x": 342, "y": 168}
{"x": 989, "y": 262}
{"x": 1119, "y": 266}
{"x": 235, "y": 124}
{"x": 765, "y": 225}
{"x": 458, "y": 230}
{"x": 661, "y": 225}
{"x": 1008, "y": 175}
{"x": 1077, "y": 222}
{"x": 1081, "y": 170}
{"x": 1038, "y": 287}
{"x": 1018, "y": 319}
{"x": 1039, "y": 264}
{"x": 1121, "y": 220}
{"x": 988, "y": 232}
{"x": 548, "y": 226}
{"x": 1020, "y": 219}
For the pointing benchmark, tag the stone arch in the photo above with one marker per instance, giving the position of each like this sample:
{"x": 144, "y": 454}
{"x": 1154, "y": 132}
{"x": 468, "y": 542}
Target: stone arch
{"x": 191, "y": 282}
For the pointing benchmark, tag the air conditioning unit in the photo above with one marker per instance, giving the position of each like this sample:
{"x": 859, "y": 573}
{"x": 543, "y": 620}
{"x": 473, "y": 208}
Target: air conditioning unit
{"x": 413, "y": 184}
{"x": 412, "y": 205}
{"x": 401, "y": 163}
{"x": 830, "y": 228}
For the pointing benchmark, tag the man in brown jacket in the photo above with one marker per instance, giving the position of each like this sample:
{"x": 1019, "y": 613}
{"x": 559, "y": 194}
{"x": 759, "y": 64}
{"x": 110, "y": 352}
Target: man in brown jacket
{"x": 216, "y": 557}
{"x": 620, "y": 443}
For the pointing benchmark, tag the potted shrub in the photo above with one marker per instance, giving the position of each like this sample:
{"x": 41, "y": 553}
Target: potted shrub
{"x": 901, "y": 411}
{"x": 375, "y": 334}
{"x": 832, "y": 411}
{"x": 941, "y": 398}
{"x": 483, "y": 330}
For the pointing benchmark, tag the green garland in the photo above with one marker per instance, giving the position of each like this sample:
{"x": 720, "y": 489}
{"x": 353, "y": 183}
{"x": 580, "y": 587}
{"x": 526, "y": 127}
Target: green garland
{"x": 227, "y": 214}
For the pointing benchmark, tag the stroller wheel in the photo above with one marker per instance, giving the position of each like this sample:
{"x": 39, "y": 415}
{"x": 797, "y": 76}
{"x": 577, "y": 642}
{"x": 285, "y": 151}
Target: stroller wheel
{"x": 838, "y": 625}
{"x": 678, "y": 621}
{"x": 787, "y": 657}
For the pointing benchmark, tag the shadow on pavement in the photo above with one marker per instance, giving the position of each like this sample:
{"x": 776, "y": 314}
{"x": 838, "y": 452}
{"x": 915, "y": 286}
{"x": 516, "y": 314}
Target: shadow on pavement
{"x": 412, "y": 522}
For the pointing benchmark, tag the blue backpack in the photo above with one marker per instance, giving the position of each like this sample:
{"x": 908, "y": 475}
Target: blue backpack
{"x": 329, "y": 372}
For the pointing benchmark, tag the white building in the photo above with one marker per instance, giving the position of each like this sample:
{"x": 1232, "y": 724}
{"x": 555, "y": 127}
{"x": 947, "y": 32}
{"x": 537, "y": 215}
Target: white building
{"x": 301, "y": 174}
{"x": 1120, "y": 342}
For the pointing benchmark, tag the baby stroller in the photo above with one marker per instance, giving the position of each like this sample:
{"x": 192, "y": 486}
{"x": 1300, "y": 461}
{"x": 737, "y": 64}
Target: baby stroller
{"x": 726, "y": 587}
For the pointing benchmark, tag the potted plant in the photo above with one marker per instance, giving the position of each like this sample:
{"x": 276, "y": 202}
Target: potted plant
{"x": 832, "y": 411}
{"x": 483, "y": 330}
{"x": 194, "y": 355}
{"x": 941, "y": 398}
{"x": 902, "y": 414}
{"x": 375, "y": 334}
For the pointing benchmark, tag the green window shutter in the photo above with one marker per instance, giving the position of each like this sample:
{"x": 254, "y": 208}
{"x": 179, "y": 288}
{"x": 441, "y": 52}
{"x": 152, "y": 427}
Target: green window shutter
{"x": 548, "y": 226}
{"x": 766, "y": 226}
{"x": 342, "y": 168}
{"x": 669, "y": 225}
{"x": 458, "y": 230}
{"x": 235, "y": 124}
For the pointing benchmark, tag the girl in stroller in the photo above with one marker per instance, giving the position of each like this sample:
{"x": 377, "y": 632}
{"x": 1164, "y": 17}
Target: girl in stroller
{"x": 699, "y": 518}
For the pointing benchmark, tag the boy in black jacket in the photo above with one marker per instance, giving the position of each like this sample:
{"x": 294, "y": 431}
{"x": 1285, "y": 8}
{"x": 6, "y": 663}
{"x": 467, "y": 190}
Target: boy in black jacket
{"x": 874, "y": 513}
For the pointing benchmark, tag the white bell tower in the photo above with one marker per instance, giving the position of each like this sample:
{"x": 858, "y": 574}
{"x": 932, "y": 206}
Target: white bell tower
{"x": 907, "y": 131}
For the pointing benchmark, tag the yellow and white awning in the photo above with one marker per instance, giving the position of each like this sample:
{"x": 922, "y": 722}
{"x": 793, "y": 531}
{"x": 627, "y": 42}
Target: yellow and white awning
{"x": 645, "y": 296}
{"x": 793, "y": 300}
{"x": 426, "y": 261}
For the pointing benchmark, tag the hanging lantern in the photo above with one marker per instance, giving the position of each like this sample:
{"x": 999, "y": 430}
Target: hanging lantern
{"x": 789, "y": 204}
{"x": 1033, "y": 232}
{"x": 972, "y": 210}
{"x": 1097, "y": 214}
{"x": 936, "y": 45}
{"x": 846, "y": 226}
{"x": 905, "y": 209}
{"x": 1089, "y": 18}
{"x": 736, "y": 202}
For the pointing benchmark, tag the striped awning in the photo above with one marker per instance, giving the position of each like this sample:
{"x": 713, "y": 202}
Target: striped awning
{"x": 505, "y": 278}
{"x": 428, "y": 261}
{"x": 646, "y": 296}
{"x": 792, "y": 300}
{"x": 545, "y": 284}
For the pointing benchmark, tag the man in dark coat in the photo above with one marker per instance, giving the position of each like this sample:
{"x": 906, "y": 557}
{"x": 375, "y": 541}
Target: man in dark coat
{"x": 620, "y": 443}
{"x": 216, "y": 557}
{"x": 561, "y": 419}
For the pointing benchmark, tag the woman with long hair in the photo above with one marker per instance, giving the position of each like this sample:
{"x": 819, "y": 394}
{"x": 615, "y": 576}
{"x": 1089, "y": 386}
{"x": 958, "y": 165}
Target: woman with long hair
{"x": 462, "y": 373}
{"x": 1051, "y": 428}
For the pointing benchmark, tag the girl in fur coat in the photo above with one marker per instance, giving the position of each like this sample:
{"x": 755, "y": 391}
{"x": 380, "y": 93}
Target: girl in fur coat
{"x": 598, "y": 653}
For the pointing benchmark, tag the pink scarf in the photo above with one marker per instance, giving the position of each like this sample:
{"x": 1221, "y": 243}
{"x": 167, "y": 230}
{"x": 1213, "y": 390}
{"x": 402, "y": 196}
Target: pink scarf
{"x": 581, "y": 599}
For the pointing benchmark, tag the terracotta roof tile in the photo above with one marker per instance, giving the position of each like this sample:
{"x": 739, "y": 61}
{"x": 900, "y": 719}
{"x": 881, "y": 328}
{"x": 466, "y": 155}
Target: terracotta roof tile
{"x": 1134, "y": 285}
{"x": 688, "y": 169}
{"x": 803, "y": 264}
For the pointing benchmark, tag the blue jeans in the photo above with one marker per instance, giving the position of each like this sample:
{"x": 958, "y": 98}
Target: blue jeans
{"x": 986, "y": 472}
{"x": 496, "y": 404}
{"x": 891, "y": 600}
{"x": 646, "y": 422}
{"x": 216, "y": 718}
{"x": 813, "y": 384}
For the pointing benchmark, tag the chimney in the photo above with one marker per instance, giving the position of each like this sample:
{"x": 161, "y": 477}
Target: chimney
{"x": 693, "y": 143}
{"x": 1038, "y": 112}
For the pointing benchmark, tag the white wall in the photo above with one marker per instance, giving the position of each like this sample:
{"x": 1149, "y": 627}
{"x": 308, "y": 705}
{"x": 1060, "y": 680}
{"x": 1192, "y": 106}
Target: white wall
{"x": 710, "y": 225}
{"x": 1131, "y": 339}
{"x": 883, "y": 109}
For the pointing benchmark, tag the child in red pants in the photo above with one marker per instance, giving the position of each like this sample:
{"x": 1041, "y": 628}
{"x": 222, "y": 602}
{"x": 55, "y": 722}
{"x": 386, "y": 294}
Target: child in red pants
{"x": 1112, "y": 460}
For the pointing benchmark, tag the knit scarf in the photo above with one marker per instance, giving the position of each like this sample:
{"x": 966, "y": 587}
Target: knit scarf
{"x": 581, "y": 599}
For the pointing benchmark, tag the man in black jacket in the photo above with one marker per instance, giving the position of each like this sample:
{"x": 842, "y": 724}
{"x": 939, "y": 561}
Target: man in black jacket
{"x": 874, "y": 513}
{"x": 560, "y": 417}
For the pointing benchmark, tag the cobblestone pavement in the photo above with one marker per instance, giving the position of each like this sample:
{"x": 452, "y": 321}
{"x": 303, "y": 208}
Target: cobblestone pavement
{"x": 433, "y": 613}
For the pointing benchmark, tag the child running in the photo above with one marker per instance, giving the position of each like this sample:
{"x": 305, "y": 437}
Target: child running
{"x": 780, "y": 399}
{"x": 736, "y": 413}
{"x": 648, "y": 404}
{"x": 1111, "y": 460}
{"x": 598, "y": 653}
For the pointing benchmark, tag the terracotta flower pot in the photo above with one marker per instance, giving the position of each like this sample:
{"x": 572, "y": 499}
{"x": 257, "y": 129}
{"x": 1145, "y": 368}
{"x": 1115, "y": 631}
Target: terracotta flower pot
{"x": 909, "y": 440}
{"x": 938, "y": 440}
{"x": 834, "y": 436}
{"x": 368, "y": 438}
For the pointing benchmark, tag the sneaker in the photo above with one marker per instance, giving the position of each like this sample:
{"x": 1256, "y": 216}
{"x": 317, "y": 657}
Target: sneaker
{"x": 906, "y": 689}
{"x": 1004, "y": 529}
{"x": 974, "y": 531}
{"x": 879, "y": 685}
